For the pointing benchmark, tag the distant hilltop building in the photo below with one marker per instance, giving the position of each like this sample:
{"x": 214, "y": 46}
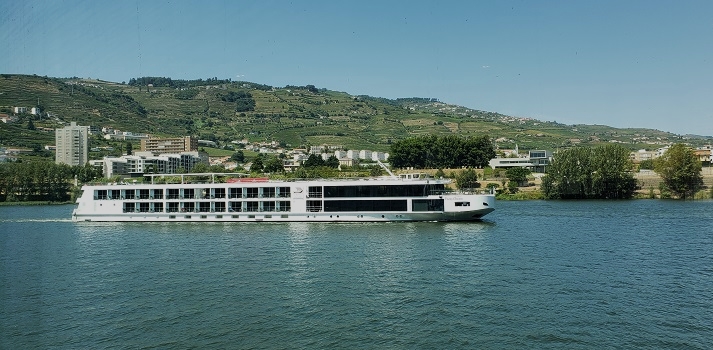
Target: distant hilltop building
{"x": 72, "y": 144}
{"x": 169, "y": 145}
{"x": 20, "y": 110}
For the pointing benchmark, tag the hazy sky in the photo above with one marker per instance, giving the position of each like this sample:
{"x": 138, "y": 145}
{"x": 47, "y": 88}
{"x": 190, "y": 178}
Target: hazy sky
{"x": 621, "y": 63}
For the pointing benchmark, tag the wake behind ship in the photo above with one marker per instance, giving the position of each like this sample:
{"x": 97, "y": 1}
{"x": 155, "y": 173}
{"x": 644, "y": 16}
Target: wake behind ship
{"x": 199, "y": 198}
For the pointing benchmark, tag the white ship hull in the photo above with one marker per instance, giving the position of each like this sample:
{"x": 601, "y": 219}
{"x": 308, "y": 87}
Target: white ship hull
{"x": 364, "y": 200}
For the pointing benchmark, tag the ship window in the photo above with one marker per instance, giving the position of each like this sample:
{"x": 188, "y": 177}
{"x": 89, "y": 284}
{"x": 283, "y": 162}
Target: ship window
{"x": 187, "y": 217}
{"x": 428, "y": 205}
{"x": 188, "y": 193}
{"x": 173, "y": 193}
{"x": 143, "y": 194}
{"x": 172, "y": 216}
{"x": 157, "y": 194}
{"x": 365, "y": 205}
{"x": 129, "y": 194}
{"x": 204, "y": 216}
{"x": 235, "y": 206}
{"x": 172, "y": 207}
{"x": 129, "y": 207}
{"x": 315, "y": 192}
{"x": 284, "y": 206}
{"x": 236, "y": 216}
{"x": 268, "y": 192}
{"x": 219, "y": 192}
{"x": 235, "y": 192}
{"x": 251, "y": 206}
{"x": 252, "y": 192}
{"x": 158, "y": 207}
{"x": 284, "y": 192}
{"x": 381, "y": 191}
{"x": 268, "y": 216}
{"x": 101, "y": 194}
{"x": 268, "y": 206}
{"x": 462, "y": 204}
{"x": 284, "y": 216}
{"x": 314, "y": 206}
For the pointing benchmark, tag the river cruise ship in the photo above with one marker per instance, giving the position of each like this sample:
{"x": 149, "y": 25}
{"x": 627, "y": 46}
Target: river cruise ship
{"x": 218, "y": 198}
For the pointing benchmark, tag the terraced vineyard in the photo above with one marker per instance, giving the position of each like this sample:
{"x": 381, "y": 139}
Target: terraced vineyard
{"x": 295, "y": 116}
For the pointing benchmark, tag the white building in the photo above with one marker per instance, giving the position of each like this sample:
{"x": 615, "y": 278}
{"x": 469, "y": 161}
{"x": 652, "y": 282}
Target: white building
{"x": 72, "y": 144}
{"x": 536, "y": 160}
{"x": 147, "y": 162}
{"x": 316, "y": 150}
{"x": 365, "y": 154}
{"x": 642, "y": 155}
{"x": 19, "y": 110}
{"x": 35, "y": 111}
{"x": 379, "y": 156}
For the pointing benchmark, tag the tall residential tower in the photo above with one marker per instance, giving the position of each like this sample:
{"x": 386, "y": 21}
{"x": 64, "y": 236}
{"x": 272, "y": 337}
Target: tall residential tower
{"x": 72, "y": 144}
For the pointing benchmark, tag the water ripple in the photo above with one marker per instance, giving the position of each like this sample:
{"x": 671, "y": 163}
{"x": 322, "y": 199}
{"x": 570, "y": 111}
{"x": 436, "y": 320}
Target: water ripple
{"x": 584, "y": 275}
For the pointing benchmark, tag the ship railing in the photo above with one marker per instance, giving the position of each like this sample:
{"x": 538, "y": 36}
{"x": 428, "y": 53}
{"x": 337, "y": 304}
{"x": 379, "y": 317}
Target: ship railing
{"x": 467, "y": 191}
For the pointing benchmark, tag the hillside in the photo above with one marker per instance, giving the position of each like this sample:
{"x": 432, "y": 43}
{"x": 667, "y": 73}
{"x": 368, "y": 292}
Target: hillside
{"x": 295, "y": 115}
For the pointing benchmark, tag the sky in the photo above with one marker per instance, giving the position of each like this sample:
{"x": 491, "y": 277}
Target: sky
{"x": 620, "y": 63}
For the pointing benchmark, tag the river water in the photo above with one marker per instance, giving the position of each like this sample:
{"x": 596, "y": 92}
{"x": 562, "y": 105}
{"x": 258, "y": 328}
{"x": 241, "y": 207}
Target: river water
{"x": 535, "y": 274}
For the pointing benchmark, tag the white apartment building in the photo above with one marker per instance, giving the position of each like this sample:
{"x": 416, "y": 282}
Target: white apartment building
{"x": 147, "y": 163}
{"x": 72, "y": 144}
{"x": 379, "y": 156}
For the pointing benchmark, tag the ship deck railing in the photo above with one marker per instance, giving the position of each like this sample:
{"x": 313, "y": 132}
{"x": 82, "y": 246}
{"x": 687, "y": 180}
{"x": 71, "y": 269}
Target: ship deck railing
{"x": 212, "y": 178}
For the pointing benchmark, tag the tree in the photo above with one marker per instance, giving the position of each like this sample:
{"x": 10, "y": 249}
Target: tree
{"x": 448, "y": 151}
{"x": 518, "y": 175}
{"x": 613, "y": 177}
{"x": 647, "y": 164}
{"x": 257, "y": 165}
{"x": 680, "y": 170}
{"x": 604, "y": 172}
{"x": 238, "y": 156}
{"x": 128, "y": 148}
{"x": 467, "y": 179}
{"x": 274, "y": 165}
{"x": 332, "y": 162}
{"x": 200, "y": 168}
{"x": 313, "y": 161}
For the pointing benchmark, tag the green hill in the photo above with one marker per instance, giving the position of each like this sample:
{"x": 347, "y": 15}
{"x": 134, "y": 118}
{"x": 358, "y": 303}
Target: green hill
{"x": 224, "y": 111}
